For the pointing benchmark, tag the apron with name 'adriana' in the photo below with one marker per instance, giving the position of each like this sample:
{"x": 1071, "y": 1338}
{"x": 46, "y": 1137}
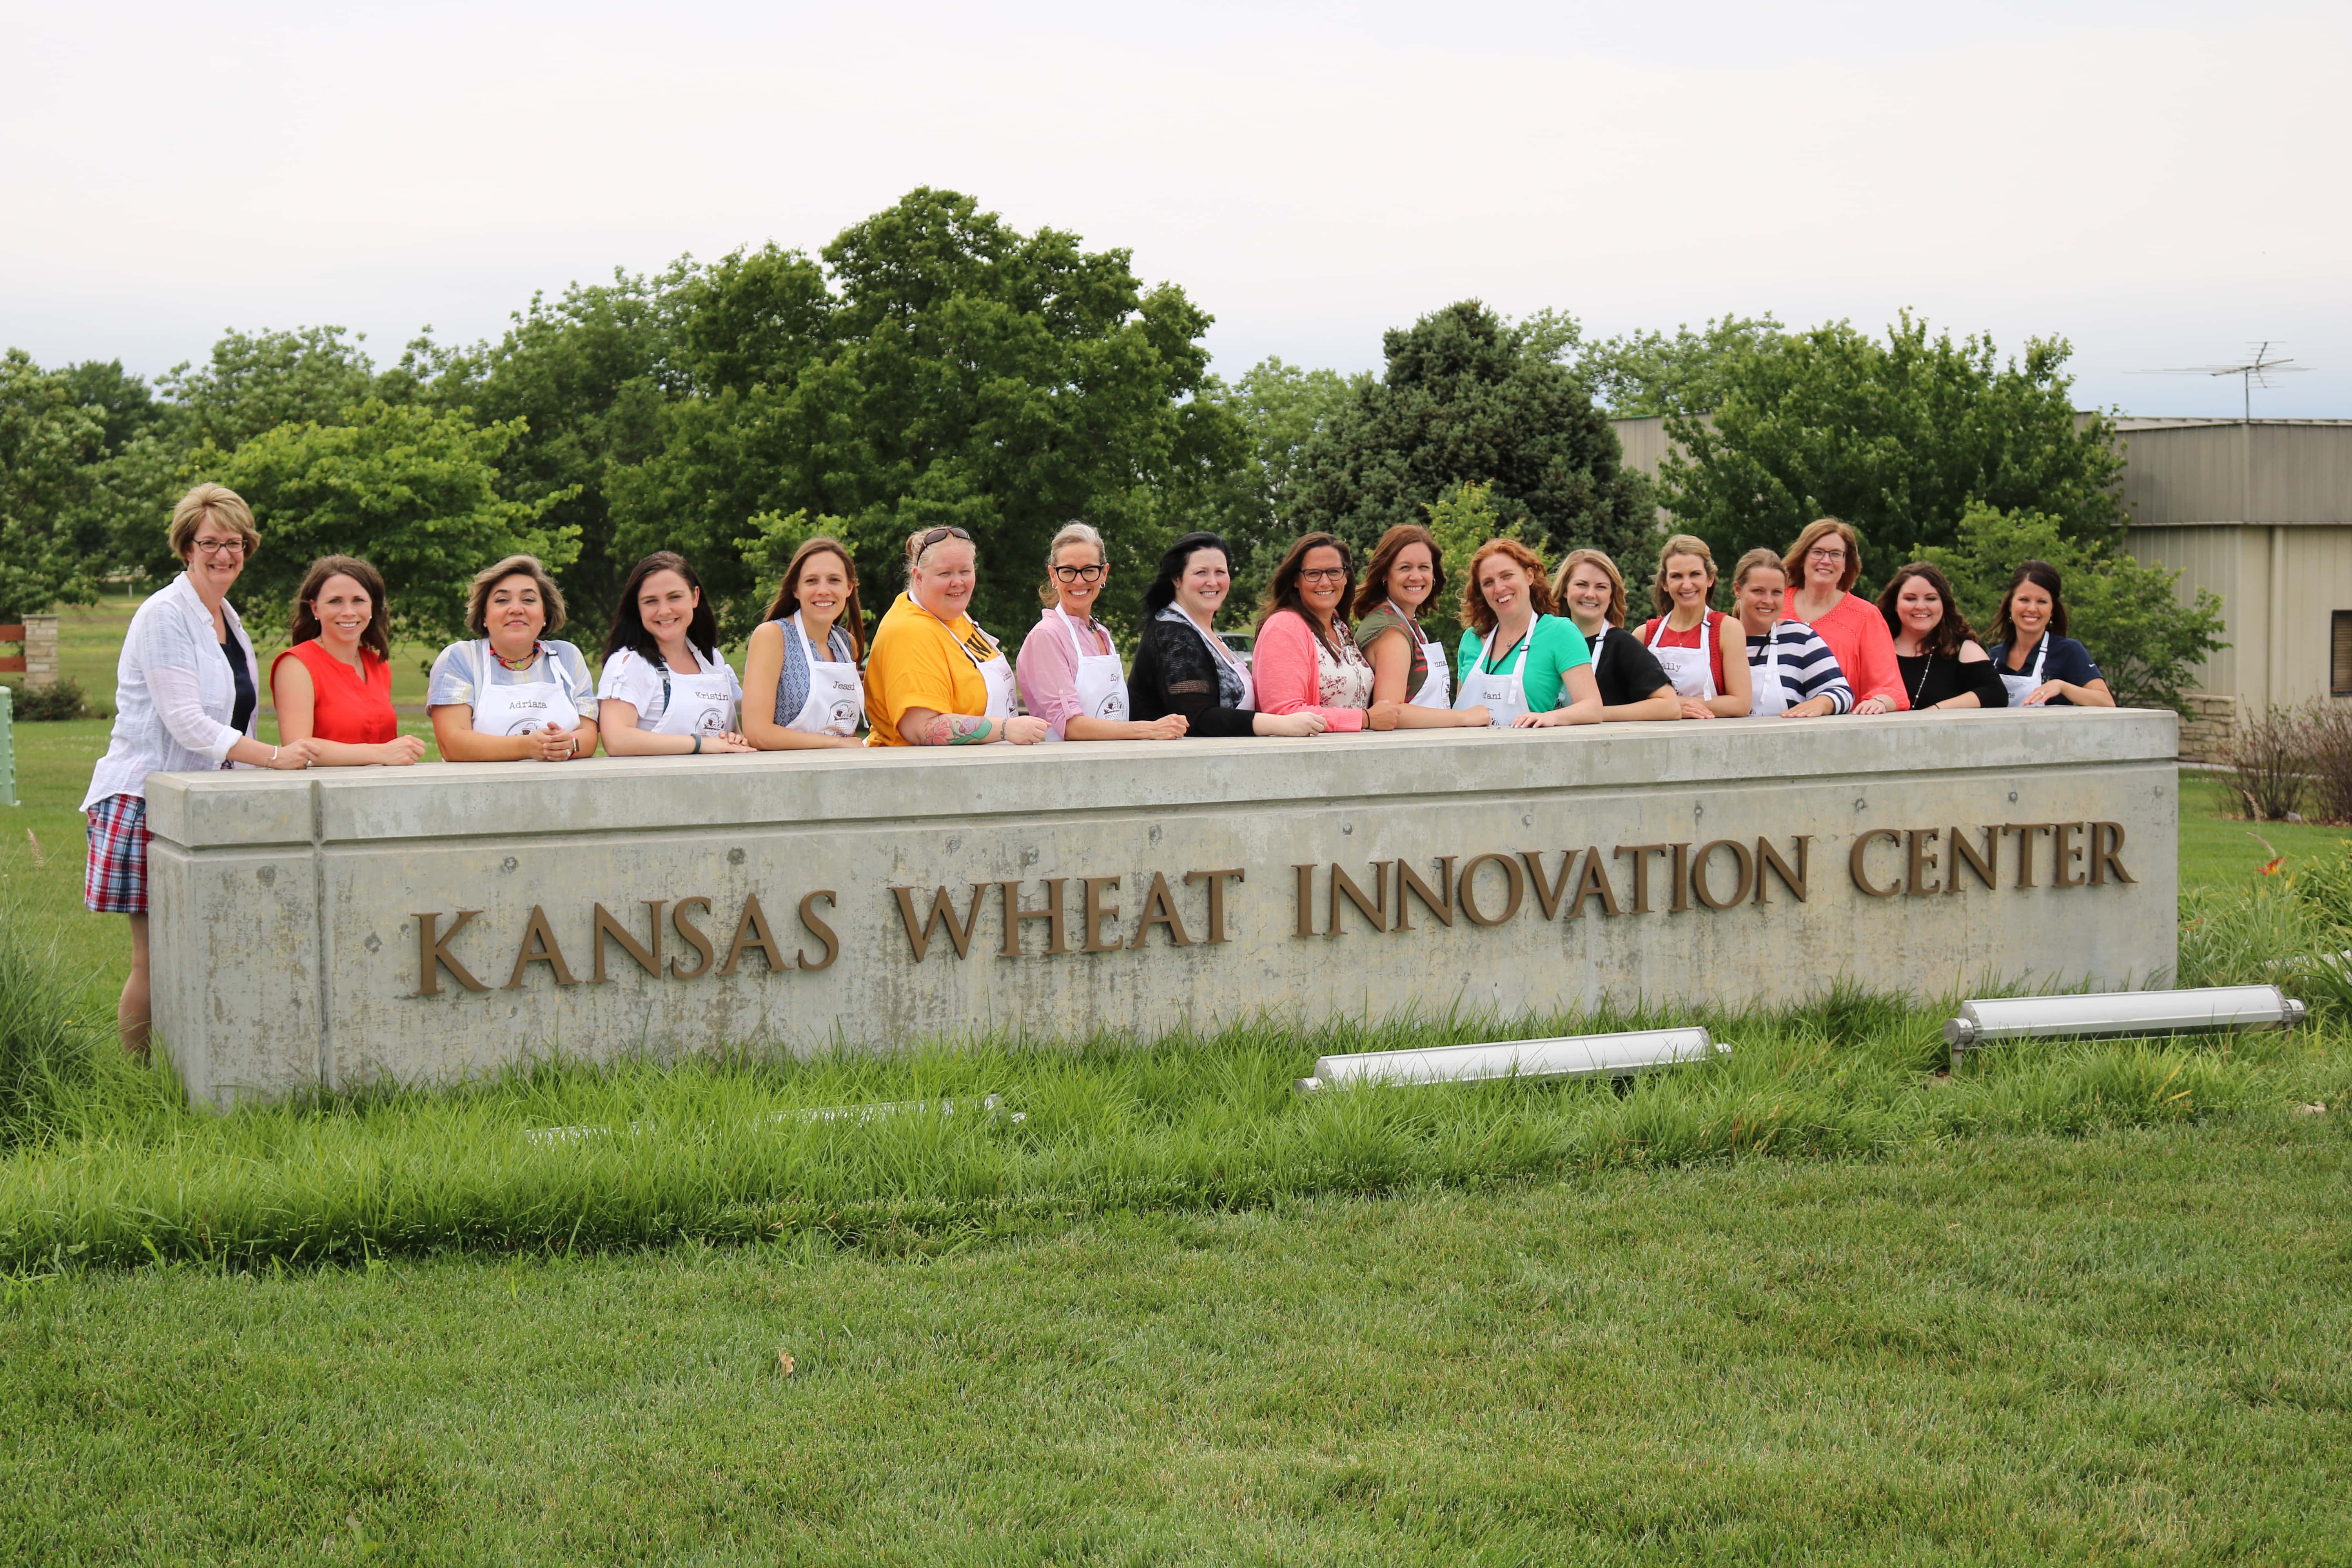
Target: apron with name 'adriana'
{"x": 835, "y": 703}
{"x": 1690, "y": 669}
{"x": 522, "y": 706}
{"x": 1769, "y": 693}
{"x": 1101, "y": 683}
{"x": 1503, "y": 692}
{"x": 2020, "y": 687}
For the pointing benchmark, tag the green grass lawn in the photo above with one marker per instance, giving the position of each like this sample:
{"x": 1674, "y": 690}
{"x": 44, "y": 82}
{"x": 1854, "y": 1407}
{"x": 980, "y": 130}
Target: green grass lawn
{"x": 2078, "y": 1304}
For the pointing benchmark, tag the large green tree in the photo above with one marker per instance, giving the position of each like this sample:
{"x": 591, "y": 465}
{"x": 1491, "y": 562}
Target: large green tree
{"x": 1280, "y": 408}
{"x": 1470, "y": 398}
{"x": 1897, "y": 436}
{"x": 934, "y": 366}
{"x": 411, "y": 487}
{"x": 1649, "y": 372}
{"x": 52, "y": 540}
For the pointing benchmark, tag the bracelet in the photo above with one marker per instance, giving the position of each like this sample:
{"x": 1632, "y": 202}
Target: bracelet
{"x": 698, "y": 747}
{"x": 273, "y": 756}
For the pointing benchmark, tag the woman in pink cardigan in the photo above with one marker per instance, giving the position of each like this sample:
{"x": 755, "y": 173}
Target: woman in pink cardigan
{"x": 1305, "y": 659}
{"x": 1823, "y": 564}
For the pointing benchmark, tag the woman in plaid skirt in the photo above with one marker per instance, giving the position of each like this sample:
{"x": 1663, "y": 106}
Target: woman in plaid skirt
{"x": 184, "y": 695}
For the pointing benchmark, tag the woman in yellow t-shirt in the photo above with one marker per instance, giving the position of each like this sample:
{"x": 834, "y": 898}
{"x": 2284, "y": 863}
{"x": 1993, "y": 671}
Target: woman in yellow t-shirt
{"x": 934, "y": 678}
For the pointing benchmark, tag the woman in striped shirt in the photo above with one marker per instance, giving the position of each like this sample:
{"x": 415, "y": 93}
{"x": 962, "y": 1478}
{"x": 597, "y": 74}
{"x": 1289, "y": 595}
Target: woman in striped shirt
{"x": 1791, "y": 671}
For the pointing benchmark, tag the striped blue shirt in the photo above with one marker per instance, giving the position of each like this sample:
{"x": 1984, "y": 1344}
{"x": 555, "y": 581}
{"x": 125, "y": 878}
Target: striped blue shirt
{"x": 1808, "y": 668}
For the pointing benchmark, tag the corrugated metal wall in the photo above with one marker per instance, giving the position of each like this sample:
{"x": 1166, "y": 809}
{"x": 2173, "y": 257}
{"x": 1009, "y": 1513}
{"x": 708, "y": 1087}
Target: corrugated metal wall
{"x": 2228, "y": 472}
{"x": 2206, "y": 558}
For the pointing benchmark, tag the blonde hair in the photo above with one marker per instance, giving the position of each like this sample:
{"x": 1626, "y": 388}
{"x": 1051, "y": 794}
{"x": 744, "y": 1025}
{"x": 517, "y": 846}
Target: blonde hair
{"x": 1071, "y": 534}
{"x": 1680, "y": 545}
{"x": 1576, "y": 558}
{"x": 1793, "y": 563}
{"x": 219, "y": 505}
{"x": 478, "y": 596}
{"x": 1760, "y": 556}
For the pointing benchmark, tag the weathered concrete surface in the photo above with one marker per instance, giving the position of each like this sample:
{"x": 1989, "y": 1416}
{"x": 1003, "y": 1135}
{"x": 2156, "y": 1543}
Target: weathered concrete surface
{"x": 287, "y": 907}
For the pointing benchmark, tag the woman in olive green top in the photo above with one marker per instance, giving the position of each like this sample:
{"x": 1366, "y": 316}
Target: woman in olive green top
{"x": 1409, "y": 686}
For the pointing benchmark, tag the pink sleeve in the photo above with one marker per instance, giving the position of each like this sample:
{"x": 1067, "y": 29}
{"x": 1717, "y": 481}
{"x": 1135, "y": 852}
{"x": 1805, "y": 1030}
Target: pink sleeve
{"x": 1048, "y": 676}
{"x": 1872, "y": 670}
{"x": 1283, "y": 667}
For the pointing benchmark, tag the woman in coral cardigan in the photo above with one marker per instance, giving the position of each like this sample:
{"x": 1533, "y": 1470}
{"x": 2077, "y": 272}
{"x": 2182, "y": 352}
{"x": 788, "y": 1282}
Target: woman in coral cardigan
{"x": 1823, "y": 564}
{"x": 1305, "y": 659}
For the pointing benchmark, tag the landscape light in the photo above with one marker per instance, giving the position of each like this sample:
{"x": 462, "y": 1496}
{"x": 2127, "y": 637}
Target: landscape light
{"x": 1570, "y": 1056}
{"x": 2120, "y": 1013}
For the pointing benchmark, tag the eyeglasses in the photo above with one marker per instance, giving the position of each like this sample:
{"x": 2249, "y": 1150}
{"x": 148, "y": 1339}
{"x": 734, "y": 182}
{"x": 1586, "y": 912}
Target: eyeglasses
{"x": 1078, "y": 573}
{"x": 1324, "y": 574}
{"x": 209, "y": 548}
{"x": 937, "y": 536}
{"x": 1834, "y": 552}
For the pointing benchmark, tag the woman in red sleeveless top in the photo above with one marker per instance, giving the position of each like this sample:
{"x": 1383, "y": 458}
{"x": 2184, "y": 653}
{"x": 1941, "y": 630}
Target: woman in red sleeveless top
{"x": 334, "y": 686}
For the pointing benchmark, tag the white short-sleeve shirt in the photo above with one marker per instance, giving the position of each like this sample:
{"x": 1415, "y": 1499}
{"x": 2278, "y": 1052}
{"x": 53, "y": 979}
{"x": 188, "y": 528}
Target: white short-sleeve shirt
{"x": 632, "y": 678}
{"x": 465, "y": 668}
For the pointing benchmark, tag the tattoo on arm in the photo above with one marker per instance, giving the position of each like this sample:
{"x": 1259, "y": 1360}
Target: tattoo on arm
{"x": 959, "y": 729}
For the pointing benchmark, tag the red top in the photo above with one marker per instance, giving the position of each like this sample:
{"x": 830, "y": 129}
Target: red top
{"x": 1718, "y": 628}
{"x": 344, "y": 707}
{"x": 1857, "y": 634}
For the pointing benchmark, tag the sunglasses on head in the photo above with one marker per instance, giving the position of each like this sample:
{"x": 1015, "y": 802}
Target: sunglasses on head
{"x": 937, "y": 536}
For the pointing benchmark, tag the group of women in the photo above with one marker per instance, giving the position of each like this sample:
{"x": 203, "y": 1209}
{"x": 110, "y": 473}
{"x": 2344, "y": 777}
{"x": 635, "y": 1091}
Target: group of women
{"x": 1335, "y": 651}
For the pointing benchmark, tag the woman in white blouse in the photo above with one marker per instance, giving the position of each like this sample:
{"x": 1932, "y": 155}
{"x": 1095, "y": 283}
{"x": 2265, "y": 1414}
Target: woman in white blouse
{"x": 508, "y": 696}
{"x": 185, "y": 691}
{"x": 666, "y": 693}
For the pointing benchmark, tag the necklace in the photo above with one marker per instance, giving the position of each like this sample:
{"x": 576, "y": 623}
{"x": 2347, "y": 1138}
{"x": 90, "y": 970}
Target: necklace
{"x": 523, "y": 663}
{"x": 1494, "y": 663}
{"x": 1927, "y": 663}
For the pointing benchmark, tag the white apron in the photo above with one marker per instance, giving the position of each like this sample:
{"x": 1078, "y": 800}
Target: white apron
{"x": 1248, "y": 704}
{"x": 519, "y": 709}
{"x": 1433, "y": 692}
{"x": 1503, "y": 693}
{"x": 1690, "y": 669}
{"x": 996, "y": 673}
{"x": 695, "y": 704}
{"x": 2020, "y": 687}
{"x": 1102, "y": 684}
{"x": 1769, "y": 696}
{"x": 835, "y": 703}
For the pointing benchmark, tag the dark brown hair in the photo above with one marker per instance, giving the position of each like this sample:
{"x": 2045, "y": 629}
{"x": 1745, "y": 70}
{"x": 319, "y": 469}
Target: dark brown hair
{"x": 629, "y": 631}
{"x": 376, "y": 638}
{"x": 1479, "y": 616}
{"x": 788, "y": 592}
{"x": 1375, "y": 586}
{"x": 478, "y": 596}
{"x": 2045, "y": 576}
{"x": 1282, "y": 593}
{"x": 1949, "y": 633}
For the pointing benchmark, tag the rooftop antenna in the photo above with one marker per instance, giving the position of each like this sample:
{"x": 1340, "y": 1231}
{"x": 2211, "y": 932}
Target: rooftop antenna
{"x": 2250, "y": 373}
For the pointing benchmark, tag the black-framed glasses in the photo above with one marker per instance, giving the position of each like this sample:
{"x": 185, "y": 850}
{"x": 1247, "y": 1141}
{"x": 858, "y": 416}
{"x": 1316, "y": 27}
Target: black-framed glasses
{"x": 938, "y": 535}
{"x": 1078, "y": 573}
{"x": 211, "y": 547}
{"x": 1324, "y": 574}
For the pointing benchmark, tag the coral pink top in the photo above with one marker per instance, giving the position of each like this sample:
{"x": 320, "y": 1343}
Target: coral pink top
{"x": 346, "y": 705}
{"x": 1857, "y": 634}
{"x": 1288, "y": 673}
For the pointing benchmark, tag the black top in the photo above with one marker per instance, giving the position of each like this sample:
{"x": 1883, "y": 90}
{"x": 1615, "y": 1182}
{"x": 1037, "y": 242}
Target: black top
{"x": 242, "y": 713}
{"x": 1175, "y": 672}
{"x": 2066, "y": 660}
{"x": 1625, "y": 671}
{"x": 1928, "y": 680}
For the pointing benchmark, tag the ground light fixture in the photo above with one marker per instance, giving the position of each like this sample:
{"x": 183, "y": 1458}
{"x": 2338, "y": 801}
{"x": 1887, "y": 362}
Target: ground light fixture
{"x": 1983, "y": 1021}
{"x": 1568, "y": 1056}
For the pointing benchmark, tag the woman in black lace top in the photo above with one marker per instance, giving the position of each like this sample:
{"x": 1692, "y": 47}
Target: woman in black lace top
{"x": 1181, "y": 666}
{"x": 1942, "y": 665}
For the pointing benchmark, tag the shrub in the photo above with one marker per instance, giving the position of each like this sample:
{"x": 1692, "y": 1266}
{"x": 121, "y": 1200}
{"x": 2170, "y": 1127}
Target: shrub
{"x": 2327, "y": 759}
{"x": 2266, "y": 760}
{"x": 62, "y": 700}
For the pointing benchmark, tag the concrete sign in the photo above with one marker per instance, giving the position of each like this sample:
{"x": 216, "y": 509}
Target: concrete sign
{"x": 424, "y": 924}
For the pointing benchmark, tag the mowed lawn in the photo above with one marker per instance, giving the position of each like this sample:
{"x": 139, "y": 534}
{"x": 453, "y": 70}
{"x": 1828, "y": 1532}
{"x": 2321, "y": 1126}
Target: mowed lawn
{"x": 2134, "y": 1346}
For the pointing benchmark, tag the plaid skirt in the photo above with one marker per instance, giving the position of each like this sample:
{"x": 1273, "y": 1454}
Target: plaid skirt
{"x": 115, "y": 882}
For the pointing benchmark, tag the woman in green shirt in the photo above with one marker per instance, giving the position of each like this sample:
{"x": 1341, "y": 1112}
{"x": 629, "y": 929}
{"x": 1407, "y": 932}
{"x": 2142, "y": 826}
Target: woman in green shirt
{"x": 1527, "y": 666}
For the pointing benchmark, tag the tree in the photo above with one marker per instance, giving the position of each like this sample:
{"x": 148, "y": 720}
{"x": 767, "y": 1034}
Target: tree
{"x": 588, "y": 375}
{"x": 1639, "y": 373}
{"x": 939, "y": 368}
{"x": 2146, "y": 638}
{"x": 1464, "y": 400}
{"x": 1280, "y": 408}
{"x": 52, "y": 544}
{"x": 411, "y": 489}
{"x": 258, "y": 381}
{"x": 1899, "y": 439}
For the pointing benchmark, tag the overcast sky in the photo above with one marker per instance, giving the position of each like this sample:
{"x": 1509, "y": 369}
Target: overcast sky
{"x": 2160, "y": 182}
